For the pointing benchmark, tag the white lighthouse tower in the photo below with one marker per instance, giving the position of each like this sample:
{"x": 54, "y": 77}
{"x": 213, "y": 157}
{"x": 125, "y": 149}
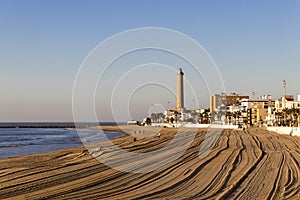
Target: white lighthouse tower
{"x": 180, "y": 95}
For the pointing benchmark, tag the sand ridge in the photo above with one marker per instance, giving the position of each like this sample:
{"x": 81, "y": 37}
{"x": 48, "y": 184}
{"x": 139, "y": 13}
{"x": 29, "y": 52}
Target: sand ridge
{"x": 251, "y": 164}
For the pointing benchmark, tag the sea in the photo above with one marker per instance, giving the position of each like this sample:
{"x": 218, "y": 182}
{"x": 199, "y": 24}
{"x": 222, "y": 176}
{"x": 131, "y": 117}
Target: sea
{"x": 17, "y": 139}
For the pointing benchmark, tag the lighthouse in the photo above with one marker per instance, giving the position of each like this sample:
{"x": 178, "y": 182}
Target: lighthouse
{"x": 180, "y": 96}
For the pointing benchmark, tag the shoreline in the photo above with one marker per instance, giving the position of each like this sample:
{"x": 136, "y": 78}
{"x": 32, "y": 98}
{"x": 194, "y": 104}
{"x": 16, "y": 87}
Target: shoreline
{"x": 56, "y": 124}
{"x": 21, "y": 149}
{"x": 129, "y": 131}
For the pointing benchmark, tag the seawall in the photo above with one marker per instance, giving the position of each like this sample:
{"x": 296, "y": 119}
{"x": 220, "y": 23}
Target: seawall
{"x": 293, "y": 131}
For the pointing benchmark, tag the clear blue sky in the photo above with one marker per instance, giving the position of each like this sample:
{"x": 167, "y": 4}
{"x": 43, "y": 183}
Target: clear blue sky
{"x": 255, "y": 44}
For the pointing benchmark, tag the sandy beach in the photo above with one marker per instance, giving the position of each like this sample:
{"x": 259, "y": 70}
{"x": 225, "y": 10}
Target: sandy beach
{"x": 251, "y": 164}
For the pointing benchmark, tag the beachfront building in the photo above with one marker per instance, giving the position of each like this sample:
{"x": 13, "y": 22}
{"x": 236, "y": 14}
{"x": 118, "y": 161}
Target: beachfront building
{"x": 287, "y": 102}
{"x": 249, "y": 111}
{"x": 287, "y": 111}
{"x": 218, "y": 116}
{"x": 185, "y": 116}
{"x": 171, "y": 116}
{"x": 259, "y": 110}
{"x": 204, "y": 116}
{"x": 236, "y": 114}
{"x": 226, "y": 109}
{"x": 217, "y": 100}
{"x": 259, "y": 113}
{"x": 133, "y": 122}
{"x": 198, "y": 116}
{"x": 157, "y": 117}
{"x": 271, "y": 116}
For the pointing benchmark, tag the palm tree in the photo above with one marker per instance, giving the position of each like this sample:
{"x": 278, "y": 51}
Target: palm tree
{"x": 161, "y": 116}
{"x": 279, "y": 117}
{"x": 285, "y": 116}
{"x": 295, "y": 114}
{"x": 201, "y": 115}
{"x": 154, "y": 117}
{"x": 298, "y": 118}
{"x": 207, "y": 118}
{"x": 148, "y": 121}
{"x": 172, "y": 120}
{"x": 167, "y": 119}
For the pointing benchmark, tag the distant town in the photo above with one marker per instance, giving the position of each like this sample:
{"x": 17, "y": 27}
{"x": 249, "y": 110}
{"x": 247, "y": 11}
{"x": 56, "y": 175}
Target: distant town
{"x": 230, "y": 109}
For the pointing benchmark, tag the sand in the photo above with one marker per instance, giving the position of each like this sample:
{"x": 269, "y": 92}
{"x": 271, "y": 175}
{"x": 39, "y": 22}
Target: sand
{"x": 251, "y": 164}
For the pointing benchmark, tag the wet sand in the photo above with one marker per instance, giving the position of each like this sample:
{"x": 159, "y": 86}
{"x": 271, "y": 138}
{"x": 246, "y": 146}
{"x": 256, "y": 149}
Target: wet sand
{"x": 251, "y": 164}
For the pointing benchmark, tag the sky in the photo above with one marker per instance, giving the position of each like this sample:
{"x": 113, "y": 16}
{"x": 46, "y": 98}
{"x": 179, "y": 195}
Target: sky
{"x": 254, "y": 44}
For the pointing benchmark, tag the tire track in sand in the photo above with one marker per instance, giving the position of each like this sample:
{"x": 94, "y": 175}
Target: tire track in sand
{"x": 253, "y": 164}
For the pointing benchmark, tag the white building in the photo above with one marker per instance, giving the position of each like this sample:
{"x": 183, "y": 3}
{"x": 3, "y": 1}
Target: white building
{"x": 287, "y": 102}
{"x": 259, "y": 111}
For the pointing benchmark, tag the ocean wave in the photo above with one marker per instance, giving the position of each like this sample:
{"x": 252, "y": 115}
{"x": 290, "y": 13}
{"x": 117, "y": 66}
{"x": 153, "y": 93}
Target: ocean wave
{"x": 13, "y": 145}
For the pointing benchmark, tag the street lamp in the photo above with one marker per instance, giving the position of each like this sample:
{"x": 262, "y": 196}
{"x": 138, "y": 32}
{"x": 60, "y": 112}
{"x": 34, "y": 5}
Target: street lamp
{"x": 284, "y": 86}
{"x": 284, "y": 105}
